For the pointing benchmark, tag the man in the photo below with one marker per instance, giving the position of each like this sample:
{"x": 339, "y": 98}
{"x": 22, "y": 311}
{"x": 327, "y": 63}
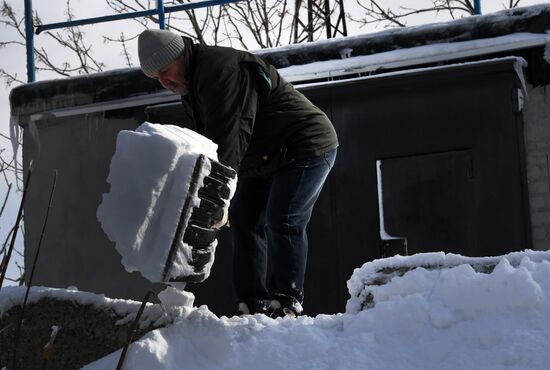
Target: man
{"x": 282, "y": 146}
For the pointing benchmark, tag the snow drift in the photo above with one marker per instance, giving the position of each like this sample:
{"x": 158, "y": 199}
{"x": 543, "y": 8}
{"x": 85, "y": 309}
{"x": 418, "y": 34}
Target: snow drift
{"x": 429, "y": 311}
{"x": 450, "y": 317}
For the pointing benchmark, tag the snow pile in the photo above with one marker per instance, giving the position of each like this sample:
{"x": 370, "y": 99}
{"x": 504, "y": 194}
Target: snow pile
{"x": 175, "y": 301}
{"x": 150, "y": 175}
{"x": 449, "y": 318}
{"x": 365, "y": 281}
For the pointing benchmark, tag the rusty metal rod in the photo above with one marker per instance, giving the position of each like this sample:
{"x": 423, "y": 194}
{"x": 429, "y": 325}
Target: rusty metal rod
{"x": 132, "y": 331}
{"x": 43, "y": 232}
{"x": 6, "y": 259}
{"x": 20, "y": 323}
{"x": 48, "y": 348}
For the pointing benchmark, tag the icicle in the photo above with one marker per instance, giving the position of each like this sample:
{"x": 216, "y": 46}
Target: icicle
{"x": 521, "y": 100}
{"x": 547, "y": 48}
{"x": 520, "y": 65}
{"x": 346, "y": 53}
{"x": 14, "y": 137}
{"x": 15, "y": 133}
{"x": 33, "y": 131}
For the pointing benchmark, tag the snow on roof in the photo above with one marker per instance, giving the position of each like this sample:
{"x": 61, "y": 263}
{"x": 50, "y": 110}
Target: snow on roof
{"x": 519, "y": 65}
{"x": 533, "y": 19}
{"x": 315, "y": 71}
{"x": 426, "y": 54}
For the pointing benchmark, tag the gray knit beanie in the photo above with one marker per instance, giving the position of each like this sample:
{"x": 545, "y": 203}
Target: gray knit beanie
{"x": 157, "y": 49}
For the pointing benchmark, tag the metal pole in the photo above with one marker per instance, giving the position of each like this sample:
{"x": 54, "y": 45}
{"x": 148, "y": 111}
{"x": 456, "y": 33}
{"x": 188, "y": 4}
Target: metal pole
{"x": 309, "y": 20}
{"x": 296, "y": 20}
{"x": 160, "y": 10}
{"x": 198, "y": 5}
{"x": 477, "y": 7}
{"x": 81, "y": 22}
{"x": 327, "y": 19}
{"x": 29, "y": 41}
{"x": 343, "y": 17}
{"x": 144, "y": 13}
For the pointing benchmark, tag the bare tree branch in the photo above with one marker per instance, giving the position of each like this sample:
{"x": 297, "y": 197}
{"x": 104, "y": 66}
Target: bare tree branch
{"x": 71, "y": 39}
{"x": 5, "y": 197}
{"x": 122, "y": 40}
{"x": 396, "y": 16}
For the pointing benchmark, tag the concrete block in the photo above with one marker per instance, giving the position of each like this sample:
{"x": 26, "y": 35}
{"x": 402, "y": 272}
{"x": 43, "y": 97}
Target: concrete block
{"x": 540, "y": 218}
{"x": 537, "y": 203}
{"x": 540, "y": 233}
{"x": 539, "y": 187}
{"x": 535, "y": 172}
{"x": 541, "y": 245}
{"x": 538, "y": 158}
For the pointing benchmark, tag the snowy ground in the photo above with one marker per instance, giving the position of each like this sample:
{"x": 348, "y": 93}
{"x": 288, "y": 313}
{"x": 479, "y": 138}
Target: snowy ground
{"x": 450, "y": 318}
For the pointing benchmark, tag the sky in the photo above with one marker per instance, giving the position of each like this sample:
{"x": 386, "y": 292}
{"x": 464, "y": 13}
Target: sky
{"x": 448, "y": 318}
{"x": 13, "y": 58}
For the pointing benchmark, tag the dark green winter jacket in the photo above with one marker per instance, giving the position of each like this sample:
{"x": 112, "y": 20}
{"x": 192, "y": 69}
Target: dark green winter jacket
{"x": 259, "y": 121}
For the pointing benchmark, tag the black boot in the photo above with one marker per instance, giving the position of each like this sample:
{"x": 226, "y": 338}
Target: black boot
{"x": 251, "y": 307}
{"x": 285, "y": 306}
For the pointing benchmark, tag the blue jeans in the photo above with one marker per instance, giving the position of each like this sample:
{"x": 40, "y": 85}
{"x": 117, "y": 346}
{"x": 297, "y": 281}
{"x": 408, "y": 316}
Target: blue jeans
{"x": 268, "y": 218}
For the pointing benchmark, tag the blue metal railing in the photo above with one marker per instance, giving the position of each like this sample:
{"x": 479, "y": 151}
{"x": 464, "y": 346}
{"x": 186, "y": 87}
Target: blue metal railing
{"x": 160, "y": 11}
{"x": 29, "y": 41}
{"x": 477, "y": 7}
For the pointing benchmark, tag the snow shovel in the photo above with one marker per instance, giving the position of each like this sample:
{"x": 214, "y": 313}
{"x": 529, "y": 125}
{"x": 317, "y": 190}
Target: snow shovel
{"x": 196, "y": 224}
{"x": 167, "y": 197}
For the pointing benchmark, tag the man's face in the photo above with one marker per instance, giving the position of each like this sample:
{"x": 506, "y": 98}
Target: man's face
{"x": 172, "y": 77}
